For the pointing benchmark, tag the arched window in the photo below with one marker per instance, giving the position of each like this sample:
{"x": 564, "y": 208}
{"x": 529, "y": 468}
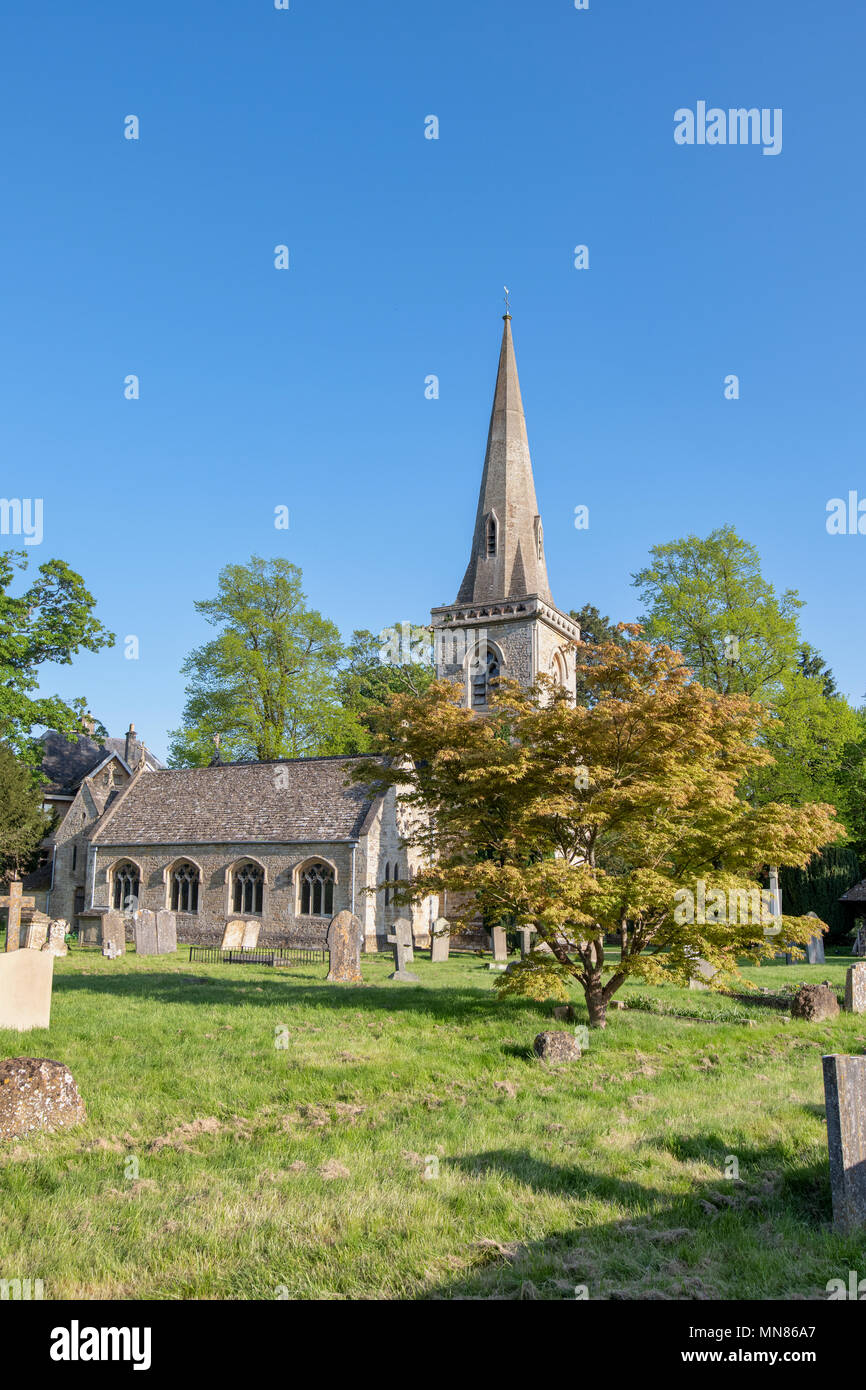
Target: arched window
{"x": 317, "y": 890}
{"x": 485, "y": 675}
{"x": 248, "y": 888}
{"x": 491, "y": 536}
{"x": 126, "y": 886}
{"x": 185, "y": 880}
{"x": 557, "y": 668}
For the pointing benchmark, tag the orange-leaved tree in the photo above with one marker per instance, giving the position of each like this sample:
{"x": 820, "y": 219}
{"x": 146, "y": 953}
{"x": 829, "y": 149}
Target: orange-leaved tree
{"x": 621, "y": 816}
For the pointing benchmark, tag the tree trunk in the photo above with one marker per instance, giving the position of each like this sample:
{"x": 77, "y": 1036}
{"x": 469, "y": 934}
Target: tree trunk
{"x": 596, "y": 1003}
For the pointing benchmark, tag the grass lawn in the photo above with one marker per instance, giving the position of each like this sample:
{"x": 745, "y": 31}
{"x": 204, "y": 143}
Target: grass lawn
{"x": 216, "y": 1164}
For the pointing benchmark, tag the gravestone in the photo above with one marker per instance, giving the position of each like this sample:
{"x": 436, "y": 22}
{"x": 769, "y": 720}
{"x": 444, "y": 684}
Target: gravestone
{"x": 401, "y": 958}
{"x": 36, "y": 1093}
{"x": 845, "y": 1096}
{"x": 251, "y": 936}
{"x": 56, "y": 942}
{"x": 166, "y": 932}
{"x": 113, "y": 933}
{"x": 855, "y": 989}
{"x": 25, "y": 990}
{"x": 815, "y": 950}
{"x": 500, "y": 947}
{"x": 36, "y": 931}
{"x": 702, "y": 971}
{"x": 557, "y": 1048}
{"x": 233, "y": 935}
{"x": 13, "y": 901}
{"x": 344, "y": 946}
{"x": 145, "y": 933}
{"x": 525, "y": 934}
{"x": 814, "y": 1003}
{"x": 403, "y": 930}
{"x": 440, "y": 939}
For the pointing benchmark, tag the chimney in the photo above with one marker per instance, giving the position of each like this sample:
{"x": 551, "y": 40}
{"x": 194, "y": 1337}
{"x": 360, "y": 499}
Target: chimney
{"x": 129, "y": 745}
{"x": 88, "y": 724}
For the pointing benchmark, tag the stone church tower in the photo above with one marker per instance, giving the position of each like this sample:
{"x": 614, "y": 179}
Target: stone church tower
{"x": 504, "y": 621}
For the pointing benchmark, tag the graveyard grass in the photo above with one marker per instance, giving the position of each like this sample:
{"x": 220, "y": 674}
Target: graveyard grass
{"x": 214, "y": 1164}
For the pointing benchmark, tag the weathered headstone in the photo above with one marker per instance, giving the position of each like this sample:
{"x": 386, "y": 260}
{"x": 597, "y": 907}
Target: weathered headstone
{"x": 815, "y": 950}
{"x": 845, "y": 1096}
{"x": 440, "y": 939}
{"x": 166, "y": 932}
{"x": 145, "y": 933}
{"x": 814, "y": 1003}
{"x": 25, "y": 990}
{"x": 13, "y": 901}
{"x": 36, "y": 1093}
{"x": 855, "y": 989}
{"x": 344, "y": 946}
{"x": 56, "y": 942}
{"x": 36, "y": 931}
{"x": 526, "y": 935}
{"x": 233, "y": 935}
{"x": 113, "y": 933}
{"x": 557, "y": 1048}
{"x": 499, "y": 944}
{"x": 401, "y": 956}
{"x": 403, "y": 929}
{"x": 251, "y": 935}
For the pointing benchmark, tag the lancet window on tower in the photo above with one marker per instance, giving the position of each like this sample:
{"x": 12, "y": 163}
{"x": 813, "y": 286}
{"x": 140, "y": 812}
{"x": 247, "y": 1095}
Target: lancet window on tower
{"x": 491, "y": 537}
{"x": 484, "y": 678}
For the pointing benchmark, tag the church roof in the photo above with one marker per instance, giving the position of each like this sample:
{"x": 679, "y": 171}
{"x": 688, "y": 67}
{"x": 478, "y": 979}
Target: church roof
{"x": 507, "y": 497}
{"x": 66, "y": 764}
{"x": 280, "y": 802}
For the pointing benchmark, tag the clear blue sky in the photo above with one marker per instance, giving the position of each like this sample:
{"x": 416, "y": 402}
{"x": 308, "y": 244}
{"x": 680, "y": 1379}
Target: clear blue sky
{"x": 306, "y": 387}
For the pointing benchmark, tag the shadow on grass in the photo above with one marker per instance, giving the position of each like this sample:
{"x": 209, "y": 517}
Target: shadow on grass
{"x": 658, "y": 1234}
{"x": 454, "y": 1003}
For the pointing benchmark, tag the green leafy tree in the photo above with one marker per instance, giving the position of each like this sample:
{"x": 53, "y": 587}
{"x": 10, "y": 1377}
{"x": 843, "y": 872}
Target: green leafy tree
{"x": 49, "y": 622}
{"x": 398, "y": 660}
{"x": 267, "y": 683}
{"x": 596, "y": 629}
{"x": 585, "y": 820}
{"x": 23, "y": 824}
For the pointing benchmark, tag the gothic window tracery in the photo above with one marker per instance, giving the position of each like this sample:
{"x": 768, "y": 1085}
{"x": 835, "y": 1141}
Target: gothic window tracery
{"x": 185, "y": 879}
{"x": 248, "y": 882}
{"x": 317, "y": 890}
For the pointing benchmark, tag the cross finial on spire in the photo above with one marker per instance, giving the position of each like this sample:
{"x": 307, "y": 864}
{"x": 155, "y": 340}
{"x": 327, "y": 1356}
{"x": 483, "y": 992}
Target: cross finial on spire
{"x": 507, "y": 313}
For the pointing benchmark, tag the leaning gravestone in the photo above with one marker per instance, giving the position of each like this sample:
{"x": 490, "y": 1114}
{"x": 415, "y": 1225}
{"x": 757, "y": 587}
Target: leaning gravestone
{"x": 25, "y": 989}
{"x": 403, "y": 930}
{"x": 845, "y": 1096}
{"x": 855, "y": 989}
{"x": 145, "y": 933}
{"x": 56, "y": 942}
{"x": 113, "y": 933}
{"x": 250, "y": 938}
{"x": 440, "y": 939}
{"x": 166, "y": 932}
{"x": 344, "y": 946}
{"x": 233, "y": 936}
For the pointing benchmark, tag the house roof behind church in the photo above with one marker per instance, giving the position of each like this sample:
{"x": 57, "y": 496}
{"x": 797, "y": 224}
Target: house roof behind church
{"x": 280, "y": 802}
{"x": 66, "y": 763}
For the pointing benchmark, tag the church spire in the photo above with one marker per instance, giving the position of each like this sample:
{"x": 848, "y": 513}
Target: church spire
{"x": 507, "y": 558}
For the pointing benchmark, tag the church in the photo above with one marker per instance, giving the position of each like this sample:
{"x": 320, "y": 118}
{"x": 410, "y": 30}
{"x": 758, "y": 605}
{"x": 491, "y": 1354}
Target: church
{"x": 289, "y": 842}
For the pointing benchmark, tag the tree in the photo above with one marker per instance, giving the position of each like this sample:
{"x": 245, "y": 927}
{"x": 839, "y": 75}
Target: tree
{"x": 23, "y": 824}
{"x": 266, "y": 684}
{"x": 709, "y": 600}
{"x": 50, "y": 621}
{"x": 587, "y": 820}
{"x": 595, "y": 630}
{"x": 398, "y": 660}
